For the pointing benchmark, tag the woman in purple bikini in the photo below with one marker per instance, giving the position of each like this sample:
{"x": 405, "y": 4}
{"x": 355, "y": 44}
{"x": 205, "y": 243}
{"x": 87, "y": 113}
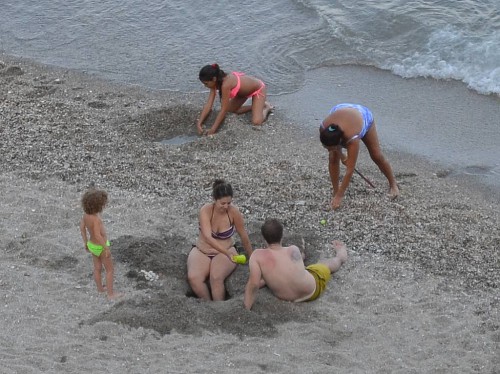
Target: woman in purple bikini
{"x": 345, "y": 127}
{"x": 234, "y": 90}
{"x": 211, "y": 258}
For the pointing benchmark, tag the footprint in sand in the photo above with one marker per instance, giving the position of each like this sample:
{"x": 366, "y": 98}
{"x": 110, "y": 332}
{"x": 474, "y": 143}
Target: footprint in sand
{"x": 12, "y": 70}
{"x": 98, "y": 105}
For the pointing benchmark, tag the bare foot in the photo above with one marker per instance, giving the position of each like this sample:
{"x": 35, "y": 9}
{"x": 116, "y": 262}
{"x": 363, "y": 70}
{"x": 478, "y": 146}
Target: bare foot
{"x": 102, "y": 289}
{"x": 341, "y": 250}
{"x": 268, "y": 109}
{"x": 115, "y": 296}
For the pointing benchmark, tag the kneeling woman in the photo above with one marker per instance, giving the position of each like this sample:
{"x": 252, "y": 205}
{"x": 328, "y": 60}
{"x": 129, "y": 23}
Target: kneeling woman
{"x": 211, "y": 258}
{"x": 234, "y": 90}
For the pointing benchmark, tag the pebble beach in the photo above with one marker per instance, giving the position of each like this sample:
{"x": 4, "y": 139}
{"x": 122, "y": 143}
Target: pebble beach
{"x": 419, "y": 294}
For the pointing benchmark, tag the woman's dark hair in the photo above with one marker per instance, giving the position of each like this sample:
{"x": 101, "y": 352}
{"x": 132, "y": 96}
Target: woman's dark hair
{"x": 331, "y": 135}
{"x": 221, "y": 189}
{"x": 94, "y": 201}
{"x": 272, "y": 231}
{"x": 208, "y": 72}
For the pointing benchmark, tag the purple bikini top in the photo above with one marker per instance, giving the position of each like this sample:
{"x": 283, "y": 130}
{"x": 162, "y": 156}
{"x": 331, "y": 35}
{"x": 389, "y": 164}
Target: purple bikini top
{"x": 223, "y": 234}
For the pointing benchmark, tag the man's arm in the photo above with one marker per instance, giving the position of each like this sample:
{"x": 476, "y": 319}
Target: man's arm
{"x": 254, "y": 282}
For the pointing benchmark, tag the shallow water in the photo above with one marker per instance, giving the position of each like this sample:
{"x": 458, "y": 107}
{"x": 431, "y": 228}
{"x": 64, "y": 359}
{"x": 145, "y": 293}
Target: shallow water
{"x": 179, "y": 140}
{"x": 162, "y": 45}
{"x": 443, "y": 122}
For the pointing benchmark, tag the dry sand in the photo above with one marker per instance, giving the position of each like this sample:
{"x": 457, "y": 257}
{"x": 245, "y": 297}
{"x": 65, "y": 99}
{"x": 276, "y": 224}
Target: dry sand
{"x": 420, "y": 293}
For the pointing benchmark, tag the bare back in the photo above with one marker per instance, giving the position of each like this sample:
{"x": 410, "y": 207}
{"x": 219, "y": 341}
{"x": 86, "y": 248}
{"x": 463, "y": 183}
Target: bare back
{"x": 95, "y": 227}
{"x": 248, "y": 84}
{"x": 283, "y": 271}
{"x": 349, "y": 120}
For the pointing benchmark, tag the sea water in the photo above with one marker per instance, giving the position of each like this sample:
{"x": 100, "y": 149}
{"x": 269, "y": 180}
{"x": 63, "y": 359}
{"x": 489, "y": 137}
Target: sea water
{"x": 162, "y": 45}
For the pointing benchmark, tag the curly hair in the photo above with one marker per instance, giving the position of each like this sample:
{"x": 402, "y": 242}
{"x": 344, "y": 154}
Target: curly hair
{"x": 94, "y": 201}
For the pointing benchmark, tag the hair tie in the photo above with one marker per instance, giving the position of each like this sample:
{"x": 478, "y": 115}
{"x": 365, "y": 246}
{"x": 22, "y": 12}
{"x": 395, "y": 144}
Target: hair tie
{"x": 215, "y": 66}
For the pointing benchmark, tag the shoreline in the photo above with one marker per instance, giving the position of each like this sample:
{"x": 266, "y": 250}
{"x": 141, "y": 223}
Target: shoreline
{"x": 443, "y": 122}
{"x": 420, "y": 291}
{"x": 478, "y": 170}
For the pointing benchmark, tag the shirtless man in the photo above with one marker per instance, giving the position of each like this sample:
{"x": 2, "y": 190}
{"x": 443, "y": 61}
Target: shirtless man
{"x": 282, "y": 269}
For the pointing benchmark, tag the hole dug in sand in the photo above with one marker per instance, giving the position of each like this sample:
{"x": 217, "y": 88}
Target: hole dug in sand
{"x": 165, "y": 306}
{"x": 170, "y": 126}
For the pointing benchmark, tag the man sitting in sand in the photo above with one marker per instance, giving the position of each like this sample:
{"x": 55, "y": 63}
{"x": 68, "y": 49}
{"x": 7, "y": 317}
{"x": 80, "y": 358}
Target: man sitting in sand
{"x": 282, "y": 269}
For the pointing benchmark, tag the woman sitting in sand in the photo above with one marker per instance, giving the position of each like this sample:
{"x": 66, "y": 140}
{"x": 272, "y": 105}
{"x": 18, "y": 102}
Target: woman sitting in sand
{"x": 344, "y": 127}
{"x": 211, "y": 258}
{"x": 234, "y": 90}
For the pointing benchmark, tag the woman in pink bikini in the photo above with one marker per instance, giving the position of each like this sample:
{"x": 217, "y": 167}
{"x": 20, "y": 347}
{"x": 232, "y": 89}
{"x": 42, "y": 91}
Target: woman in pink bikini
{"x": 234, "y": 90}
{"x": 212, "y": 256}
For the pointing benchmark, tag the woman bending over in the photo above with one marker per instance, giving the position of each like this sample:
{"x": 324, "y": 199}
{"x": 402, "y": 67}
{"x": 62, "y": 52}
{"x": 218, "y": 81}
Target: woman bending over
{"x": 345, "y": 127}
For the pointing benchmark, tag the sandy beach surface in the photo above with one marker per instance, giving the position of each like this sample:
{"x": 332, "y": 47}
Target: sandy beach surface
{"x": 419, "y": 294}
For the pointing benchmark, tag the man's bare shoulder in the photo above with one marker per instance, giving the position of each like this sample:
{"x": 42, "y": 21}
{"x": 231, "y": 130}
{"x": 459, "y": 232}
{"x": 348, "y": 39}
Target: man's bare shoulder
{"x": 262, "y": 256}
{"x": 260, "y": 252}
{"x": 295, "y": 253}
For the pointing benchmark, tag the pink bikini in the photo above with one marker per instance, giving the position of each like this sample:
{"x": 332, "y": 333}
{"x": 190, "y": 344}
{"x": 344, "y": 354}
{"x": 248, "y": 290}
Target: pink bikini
{"x": 236, "y": 88}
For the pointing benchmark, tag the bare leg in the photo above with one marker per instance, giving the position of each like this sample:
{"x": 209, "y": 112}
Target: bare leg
{"x": 373, "y": 146}
{"x": 110, "y": 273}
{"x": 268, "y": 108}
{"x": 260, "y": 108}
{"x": 198, "y": 267}
{"x": 220, "y": 269}
{"x": 236, "y": 105}
{"x": 97, "y": 273}
{"x": 335, "y": 263}
{"x": 244, "y": 109}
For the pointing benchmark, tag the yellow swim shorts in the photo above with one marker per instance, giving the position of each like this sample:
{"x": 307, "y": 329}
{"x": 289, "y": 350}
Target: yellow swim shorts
{"x": 322, "y": 275}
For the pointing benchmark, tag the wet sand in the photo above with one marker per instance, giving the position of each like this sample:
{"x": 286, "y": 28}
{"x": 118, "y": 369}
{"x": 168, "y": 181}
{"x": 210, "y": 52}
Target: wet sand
{"x": 443, "y": 122}
{"x": 419, "y": 293}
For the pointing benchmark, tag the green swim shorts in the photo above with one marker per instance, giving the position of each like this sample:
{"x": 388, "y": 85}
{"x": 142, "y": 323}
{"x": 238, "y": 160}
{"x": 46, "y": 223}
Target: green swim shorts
{"x": 322, "y": 275}
{"x": 96, "y": 249}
